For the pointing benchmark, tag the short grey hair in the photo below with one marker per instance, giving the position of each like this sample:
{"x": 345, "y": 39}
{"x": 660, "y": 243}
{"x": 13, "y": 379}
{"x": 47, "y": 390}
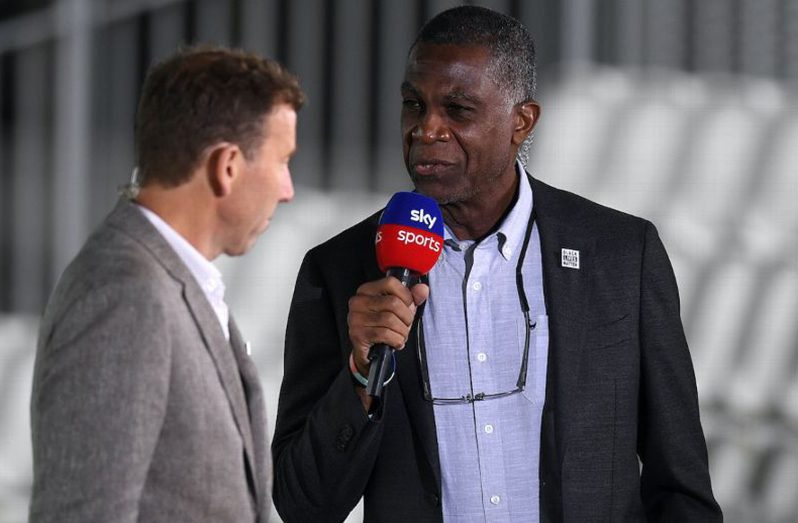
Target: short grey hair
{"x": 511, "y": 46}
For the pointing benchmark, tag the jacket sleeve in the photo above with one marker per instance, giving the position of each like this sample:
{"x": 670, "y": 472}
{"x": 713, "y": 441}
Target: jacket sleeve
{"x": 675, "y": 483}
{"x": 100, "y": 388}
{"x": 324, "y": 446}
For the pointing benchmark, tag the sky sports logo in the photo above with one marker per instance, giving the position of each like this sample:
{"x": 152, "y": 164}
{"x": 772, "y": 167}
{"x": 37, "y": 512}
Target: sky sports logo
{"x": 410, "y": 233}
{"x": 407, "y": 237}
{"x": 419, "y": 215}
{"x": 413, "y": 211}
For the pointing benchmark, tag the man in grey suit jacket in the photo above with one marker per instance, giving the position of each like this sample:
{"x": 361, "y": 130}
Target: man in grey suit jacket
{"x": 145, "y": 404}
{"x": 548, "y": 361}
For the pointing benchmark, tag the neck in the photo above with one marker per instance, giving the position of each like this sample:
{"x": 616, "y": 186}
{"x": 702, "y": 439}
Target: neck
{"x": 476, "y": 218}
{"x": 186, "y": 212}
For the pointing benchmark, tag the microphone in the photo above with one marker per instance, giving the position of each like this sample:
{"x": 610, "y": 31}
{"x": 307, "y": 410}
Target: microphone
{"x": 409, "y": 241}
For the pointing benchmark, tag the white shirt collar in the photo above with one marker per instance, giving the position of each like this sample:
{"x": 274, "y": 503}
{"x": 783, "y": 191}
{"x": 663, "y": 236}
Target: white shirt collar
{"x": 511, "y": 231}
{"x": 510, "y": 234}
{"x": 207, "y": 275}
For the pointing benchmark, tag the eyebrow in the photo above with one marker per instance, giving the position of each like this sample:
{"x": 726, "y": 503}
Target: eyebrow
{"x": 457, "y": 94}
{"x": 407, "y": 86}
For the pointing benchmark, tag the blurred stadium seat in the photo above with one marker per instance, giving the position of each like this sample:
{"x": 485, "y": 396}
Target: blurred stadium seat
{"x": 17, "y": 349}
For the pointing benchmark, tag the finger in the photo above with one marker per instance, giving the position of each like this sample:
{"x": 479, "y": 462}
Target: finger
{"x": 372, "y": 288}
{"x": 399, "y": 290}
{"x": 363, "y": 339}
{"x": 371, "y": 306}
{"x": 368, "y": 328}
{"x": 378, "y": 320}
{"x": 386, "y": 286}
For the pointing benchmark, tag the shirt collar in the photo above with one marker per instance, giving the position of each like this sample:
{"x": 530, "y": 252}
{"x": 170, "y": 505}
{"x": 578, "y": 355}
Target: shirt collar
{"x": 509, "y": 237}
{"x": 205, "y": 272}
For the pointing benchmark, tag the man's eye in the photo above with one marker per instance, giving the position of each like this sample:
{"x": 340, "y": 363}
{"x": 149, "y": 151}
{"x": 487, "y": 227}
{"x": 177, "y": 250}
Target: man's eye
{"x": 410, "y": 104}
{"x": 457, "y": 108}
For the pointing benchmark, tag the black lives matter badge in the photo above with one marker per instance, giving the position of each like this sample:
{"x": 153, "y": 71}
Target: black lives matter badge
{"x": 570, "y": 258}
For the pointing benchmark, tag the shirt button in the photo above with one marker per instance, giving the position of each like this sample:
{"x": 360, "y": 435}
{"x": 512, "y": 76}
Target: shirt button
{"x": 482, "y": 356}
{"x": 477, "y": 286}
{"x": 495, "y": 499}
{"x": 489, "y": 428}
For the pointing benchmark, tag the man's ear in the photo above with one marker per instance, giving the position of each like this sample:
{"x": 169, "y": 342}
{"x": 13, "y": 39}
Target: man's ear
{"x": 526, "y": 116}
{"x": 223, "y": 166}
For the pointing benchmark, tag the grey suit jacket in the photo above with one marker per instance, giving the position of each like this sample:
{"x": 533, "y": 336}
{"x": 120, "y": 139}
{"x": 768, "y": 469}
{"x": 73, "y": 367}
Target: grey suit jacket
{"x": 141, "y": 410}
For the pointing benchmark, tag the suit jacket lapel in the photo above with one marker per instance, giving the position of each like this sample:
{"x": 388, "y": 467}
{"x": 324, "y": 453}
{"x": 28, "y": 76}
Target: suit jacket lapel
{"x": 566, "y": 293}
{"x": 129, "y": 219}
{"x": 224, "y": 358}
{"x": 256, "y": 438}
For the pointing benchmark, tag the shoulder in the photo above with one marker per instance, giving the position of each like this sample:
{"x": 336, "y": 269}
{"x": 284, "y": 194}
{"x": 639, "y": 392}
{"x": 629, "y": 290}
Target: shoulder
{"x": 578, "y": 213}
{"x": 352, "y": 244}
{"x": 339, "y": 265}
{"x": 113, "y": 267}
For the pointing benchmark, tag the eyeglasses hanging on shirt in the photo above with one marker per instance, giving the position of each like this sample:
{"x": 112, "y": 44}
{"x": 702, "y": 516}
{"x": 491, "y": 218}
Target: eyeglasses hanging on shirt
{"x": 520, "y": 385}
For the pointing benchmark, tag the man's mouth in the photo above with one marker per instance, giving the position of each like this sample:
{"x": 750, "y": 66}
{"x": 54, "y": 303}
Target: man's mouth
{"x": 431, "y": 166}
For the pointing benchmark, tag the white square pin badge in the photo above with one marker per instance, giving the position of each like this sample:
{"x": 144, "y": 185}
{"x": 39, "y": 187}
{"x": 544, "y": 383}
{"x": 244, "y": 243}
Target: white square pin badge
{"x": 569, "y": 258}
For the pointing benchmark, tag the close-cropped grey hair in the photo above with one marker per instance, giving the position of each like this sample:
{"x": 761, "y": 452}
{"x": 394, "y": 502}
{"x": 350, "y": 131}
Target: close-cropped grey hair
{"x": 511, "y": 45}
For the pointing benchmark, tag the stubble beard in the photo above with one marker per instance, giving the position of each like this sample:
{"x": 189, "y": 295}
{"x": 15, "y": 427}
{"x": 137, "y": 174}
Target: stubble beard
{"x": 458, "y": 195}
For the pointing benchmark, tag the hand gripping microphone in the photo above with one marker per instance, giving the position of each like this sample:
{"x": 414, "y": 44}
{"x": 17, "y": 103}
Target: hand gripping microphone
{"x": 409, "y": 241}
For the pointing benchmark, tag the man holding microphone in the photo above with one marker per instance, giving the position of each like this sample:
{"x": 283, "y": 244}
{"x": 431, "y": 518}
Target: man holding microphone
{"x": 540, "y": 365}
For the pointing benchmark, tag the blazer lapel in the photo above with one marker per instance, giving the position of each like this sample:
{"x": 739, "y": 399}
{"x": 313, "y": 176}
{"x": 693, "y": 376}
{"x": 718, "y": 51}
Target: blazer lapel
{"x": 566, "y": 292}
{"x": 256, "y": 438}
{"x": 225, "y": 360}
{"x": 129, "y": 219}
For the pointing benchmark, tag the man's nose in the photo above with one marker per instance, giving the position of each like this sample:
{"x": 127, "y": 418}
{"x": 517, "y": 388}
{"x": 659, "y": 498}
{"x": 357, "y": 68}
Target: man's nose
{"x": 288, "y": 189}
{"x": 431, "y": 129}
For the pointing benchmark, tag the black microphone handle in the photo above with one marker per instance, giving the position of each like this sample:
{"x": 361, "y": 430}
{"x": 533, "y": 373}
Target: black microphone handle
{"x": 380, "y": 354}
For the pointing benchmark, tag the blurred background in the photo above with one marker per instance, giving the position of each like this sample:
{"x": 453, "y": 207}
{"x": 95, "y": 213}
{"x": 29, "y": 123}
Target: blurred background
{"x": 681, "y": 111}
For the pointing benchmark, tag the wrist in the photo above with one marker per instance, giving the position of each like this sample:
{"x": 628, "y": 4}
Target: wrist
{"x": 355, "y": 367}
{"x": 361, "y": 379}
{"x": 358, "y": 377}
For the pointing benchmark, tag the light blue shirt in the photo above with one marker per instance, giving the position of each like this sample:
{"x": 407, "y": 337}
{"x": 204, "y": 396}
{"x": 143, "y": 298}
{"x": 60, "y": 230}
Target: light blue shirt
{"x": 474, "y": 335}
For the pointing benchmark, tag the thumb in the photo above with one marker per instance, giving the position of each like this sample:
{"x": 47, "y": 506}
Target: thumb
{"x": 420, "y": 293}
